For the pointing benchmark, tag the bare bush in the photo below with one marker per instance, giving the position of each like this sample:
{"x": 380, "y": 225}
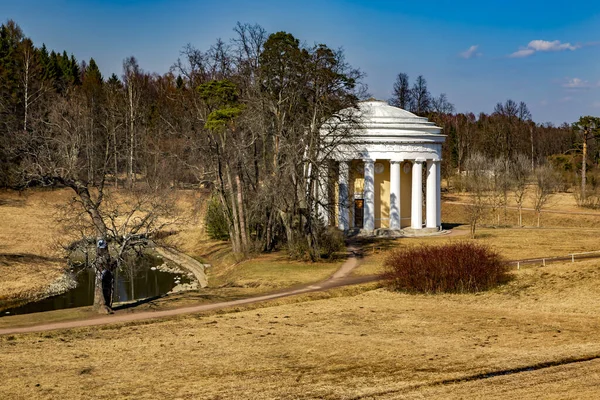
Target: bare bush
{"x": 455, "y": 268}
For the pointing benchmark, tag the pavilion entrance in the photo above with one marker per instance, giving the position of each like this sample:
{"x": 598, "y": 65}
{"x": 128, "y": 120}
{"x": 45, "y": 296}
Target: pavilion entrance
{"x": 359, "y": 210}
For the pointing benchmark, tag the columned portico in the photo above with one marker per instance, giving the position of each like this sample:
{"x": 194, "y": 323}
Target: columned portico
{"x": 380, "y": 171}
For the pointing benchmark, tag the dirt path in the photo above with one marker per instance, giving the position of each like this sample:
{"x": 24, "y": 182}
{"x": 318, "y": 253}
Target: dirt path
{"x": 338, "y": 279}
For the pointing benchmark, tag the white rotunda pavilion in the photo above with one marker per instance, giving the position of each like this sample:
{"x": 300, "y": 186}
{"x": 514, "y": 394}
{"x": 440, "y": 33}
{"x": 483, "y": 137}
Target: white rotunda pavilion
{"x": 379, "y": 170}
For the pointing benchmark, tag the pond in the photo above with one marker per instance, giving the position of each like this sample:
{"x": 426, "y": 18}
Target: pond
{"x": 142, "y": 281}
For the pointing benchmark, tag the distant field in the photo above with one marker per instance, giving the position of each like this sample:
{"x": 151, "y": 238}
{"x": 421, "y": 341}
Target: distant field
{"x": 29, "y": 242}
{"x": 371, "y": 345}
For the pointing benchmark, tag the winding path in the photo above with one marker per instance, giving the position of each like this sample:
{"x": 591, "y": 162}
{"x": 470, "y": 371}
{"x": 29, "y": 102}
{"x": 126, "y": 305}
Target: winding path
{"x": 339, "y": 278}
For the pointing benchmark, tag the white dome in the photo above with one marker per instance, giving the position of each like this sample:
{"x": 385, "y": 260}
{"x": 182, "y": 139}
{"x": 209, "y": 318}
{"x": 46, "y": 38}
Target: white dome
{"x": 381, "y": 110}
{"x": 378, "y": 118}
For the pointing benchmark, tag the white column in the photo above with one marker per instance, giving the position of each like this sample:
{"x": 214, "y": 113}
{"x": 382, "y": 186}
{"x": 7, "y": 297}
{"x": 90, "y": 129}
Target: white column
{"x": 431, "y": 198}
{"x": 395, "y": 194}
{"x": 417, "y": 195}
{"x": 343, "y": 214}
{"x": 438, "y": 194}
{"x": 323, "y": 194}
{"x": 369, "y": 196}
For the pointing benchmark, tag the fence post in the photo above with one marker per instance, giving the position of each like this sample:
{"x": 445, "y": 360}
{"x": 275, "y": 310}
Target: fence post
{"x": 518, "y": 265}
{"x": 544, "y": 261}
{"x": 572, "y": 257}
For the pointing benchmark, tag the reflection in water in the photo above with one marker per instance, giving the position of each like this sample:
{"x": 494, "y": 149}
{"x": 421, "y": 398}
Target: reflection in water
{"x": 130, "y": 284}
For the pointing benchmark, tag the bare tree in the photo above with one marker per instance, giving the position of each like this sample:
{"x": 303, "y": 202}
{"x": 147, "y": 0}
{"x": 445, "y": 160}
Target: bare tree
{"x": 589, "y": 128}
{"x": 402, "y": 95}
{"x": 519, "y": 174}
{"x": 132, "y": 75}
{"x": 546, "y": 182}
{"x": 478, "y": 183}
{"x": 421, "y": 98}
{"x": 498, "y": 186}
{"x": 442, "y": 105}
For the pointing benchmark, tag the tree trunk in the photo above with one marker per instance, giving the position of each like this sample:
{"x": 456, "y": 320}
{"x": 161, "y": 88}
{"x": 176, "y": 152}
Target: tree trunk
{"x": 583, "y": 168}
{"x": 104, "y": 282}
{"x": 131, "y": 177}
{"x": 532, "y": 154}
{"x": 234, "y": 212}
{"x": 241, "y": 214}
{"x": 26, "y": 92}
{"x": 116, "y": 164}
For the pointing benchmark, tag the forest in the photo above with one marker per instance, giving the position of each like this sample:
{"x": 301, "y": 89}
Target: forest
{"x": 240, "y": 119}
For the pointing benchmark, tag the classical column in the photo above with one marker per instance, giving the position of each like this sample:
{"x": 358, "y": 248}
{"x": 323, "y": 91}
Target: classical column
{"x": 369, "y": 196}
{"x": 438, "y": 193}
{"x": 395, "y": 194}
{"x": 323, "y": 194}
{"x": 343, "y": 214}
{"x": 417, "y": 195}
{"x": 431, "y": 198}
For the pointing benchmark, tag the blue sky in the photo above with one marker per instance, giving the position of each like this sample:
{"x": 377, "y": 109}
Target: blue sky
{"x": 479, "y": 53}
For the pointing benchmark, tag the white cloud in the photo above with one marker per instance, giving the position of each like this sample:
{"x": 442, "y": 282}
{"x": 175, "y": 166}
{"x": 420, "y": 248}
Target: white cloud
{"x": 522, "y": 53}
{"x": 470, "y": 52}
{"x": 543, "y": 45}
{"x": 576, "y": 83}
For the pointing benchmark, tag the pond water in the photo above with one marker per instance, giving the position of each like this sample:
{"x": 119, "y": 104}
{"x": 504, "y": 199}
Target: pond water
{"x": 141, "y": 282}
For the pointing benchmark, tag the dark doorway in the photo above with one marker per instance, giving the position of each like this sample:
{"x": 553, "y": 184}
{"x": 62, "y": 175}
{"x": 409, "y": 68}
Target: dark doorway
{"x": 359, "y": 205}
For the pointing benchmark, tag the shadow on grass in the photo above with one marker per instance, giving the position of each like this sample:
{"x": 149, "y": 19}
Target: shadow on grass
{"x": 26, "y": 258}
{"x": 137, "y": 303}
{"x": 372, "y": 244}
{"x": 451, "y": 225}
{"x": 12, "y": 202}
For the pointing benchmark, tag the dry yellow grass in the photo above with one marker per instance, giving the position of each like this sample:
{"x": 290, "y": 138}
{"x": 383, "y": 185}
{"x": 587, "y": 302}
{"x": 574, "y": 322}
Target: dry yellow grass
{"x": 29, "y": 241}
{"x": 28, "y": 222}
{"x": 372, "y": 345}
{"x": 563, "y": 202}
{"x": 39, "y": 273}
{"x": 511, "y": 243}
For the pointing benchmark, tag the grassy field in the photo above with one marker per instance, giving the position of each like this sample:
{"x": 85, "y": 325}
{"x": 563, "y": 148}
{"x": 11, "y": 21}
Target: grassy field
{"x": 373, "y": 344}
{"x": 29, "y": 238}
{"x": 533, "y": 337}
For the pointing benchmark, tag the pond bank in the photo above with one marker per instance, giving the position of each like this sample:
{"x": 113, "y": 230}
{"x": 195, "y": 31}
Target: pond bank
{"x": 149, "y": 276}
{"x": 186, "y": 262}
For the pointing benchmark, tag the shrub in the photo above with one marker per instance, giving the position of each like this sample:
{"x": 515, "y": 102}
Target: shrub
{"x": 456, "y": 268}
{"x": 331, "y": 240}
{"x": 298, "y": 248}
{"x": 217, "y": 226}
